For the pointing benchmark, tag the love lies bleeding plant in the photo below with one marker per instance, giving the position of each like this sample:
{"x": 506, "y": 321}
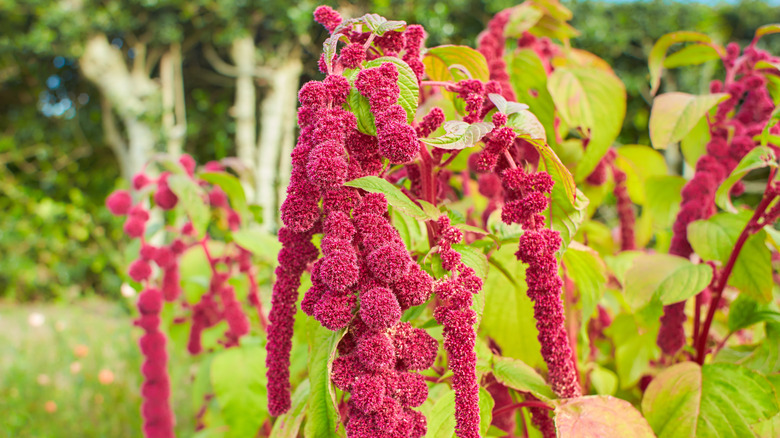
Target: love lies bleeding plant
{"x": 475, "y": 255}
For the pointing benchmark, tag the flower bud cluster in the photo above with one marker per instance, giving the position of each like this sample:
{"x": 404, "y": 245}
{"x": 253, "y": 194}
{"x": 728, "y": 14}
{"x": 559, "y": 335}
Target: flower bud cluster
{"x": 365, "y": 277}
{"x": 526, "y": 198}
{"x": 364, "y": 258}
{"x": 737, "y": 122}
{"x": 158, "y": 270}
{"x": 458, "y": 318}
{"x": 492, "y": 44}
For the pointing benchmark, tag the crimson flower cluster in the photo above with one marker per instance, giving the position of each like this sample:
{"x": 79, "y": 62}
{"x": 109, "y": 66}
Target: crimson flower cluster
{"x": 492, "y": 45}
{"x": 625, "y": 208}
{"x": 738, "y": 120}
{"x": 162, "y": 283}
{"x": 365, "y": 277}
{"x": 524, "y": 200}
{"x": 457, "y": 317}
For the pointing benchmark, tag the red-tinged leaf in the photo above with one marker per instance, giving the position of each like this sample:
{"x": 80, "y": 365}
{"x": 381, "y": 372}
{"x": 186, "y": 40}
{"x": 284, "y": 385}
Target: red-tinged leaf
{"x": 600, "y": 416}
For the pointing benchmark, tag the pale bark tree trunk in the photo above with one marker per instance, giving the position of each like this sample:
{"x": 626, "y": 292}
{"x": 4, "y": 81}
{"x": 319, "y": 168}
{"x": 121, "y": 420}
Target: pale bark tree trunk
{"x": 174, "y": 119}
{"x": 277, "y": 125}
{"x": 130, "y": 93}
{"x": 244, "y": 110}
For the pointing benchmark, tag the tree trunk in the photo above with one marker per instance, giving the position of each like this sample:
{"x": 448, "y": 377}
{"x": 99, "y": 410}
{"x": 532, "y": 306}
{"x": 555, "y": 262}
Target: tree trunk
{"x": 277, "y": 125}
{"x": 130, "y": 93}
{"x": 244, "y": 110}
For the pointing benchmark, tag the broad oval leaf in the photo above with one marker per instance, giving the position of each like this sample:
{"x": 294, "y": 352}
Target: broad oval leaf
{"x": 600, "y": 416}
{"x": 441, "y": 420}
{"x": 191, "y": 196}
{"x": 516, "y": 374}
{"x": 230, "y": 185}
{"x": 459, "y": 135}
{"x": 655, "y": 60}
{"x": 447, "y": 63}
{"x": 687, "y": 400}
{"x": 506, "y": 107}
{"x": 715, "y": 238}
{"x": 473, "y": 258}
{"x": 257, "y": 241}
{"x": 288, "y": 425}
{"x": 379, "y": 25}
{"x": 238, "y": 379}
{"x": 529, "y": 82}
{"x": 670, "y": 278}
{"x": 674, "y": 114}
{"x": 694, "y": 54}
{"x": 757, "y": 158}
{"x": 322, "y": 415}
{"x": 766, "y": 30}
{"x": 639, "y": 162}
{"x": 594, "y": 100}
{"x": 394, "y": 195}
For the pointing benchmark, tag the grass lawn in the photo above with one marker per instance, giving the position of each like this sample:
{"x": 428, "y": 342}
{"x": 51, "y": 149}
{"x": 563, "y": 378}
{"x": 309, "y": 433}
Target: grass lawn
{"x": 74, "y": 371}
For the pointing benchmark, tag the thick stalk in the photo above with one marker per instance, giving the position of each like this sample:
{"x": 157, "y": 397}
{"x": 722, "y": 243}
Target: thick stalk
{"x": 750, "y": 228}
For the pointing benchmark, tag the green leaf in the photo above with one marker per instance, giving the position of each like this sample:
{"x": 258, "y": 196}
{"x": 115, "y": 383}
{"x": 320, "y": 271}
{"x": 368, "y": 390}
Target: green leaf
{"x": 394, "y": 195}
{"x": 230, "y": 185}
{"x": 599, "y": 416}
{"x": 686, "y": 400}
{"x": 506, "y": 107}
{"x": 605, "y": 381}
{"x": 766, "y": 30}
{"x": 288, "y": 425}
{"x": 258, "y": 242}
{"x": 515, "y": 374}
{"x": 191, "y": 198}
{"x": 594, "y": 100}
{"x": 430, "y": 210}
{"x": 473, "y": 258}
{"x": 757, "y": 158}
{"x": 453, "y": 63}
{"x": 715, "y": 238}
{"x": 639, "y": 163}
{"x": 655, "y": 60}
{"x": 588, "y": 273}
{"x": 322, "y": 415}
{"x": 529, "y": 82}
{"x": 441, "y": 420}
{"x": 664, "y": 194}
{"x": 522, "y": 18}
{"x": 674, "y": 114}
{"x": 635, "y": 347}
{"x": 508, "y": 317}
{"x": 769, "y": 428}
{"x": 408, "y": 97}
{"x": 670, "y": 278}
{"x": 744, "y": 312}
{"x": 459, "y": 135}
{"x": 694, "y": 54}
{"x": 525, "y": 124}
{"x": 694, "y": 144}
{"x": 486, "y": 404}
{"x": 238, "y": 379}
{"x": 379, "y": 25}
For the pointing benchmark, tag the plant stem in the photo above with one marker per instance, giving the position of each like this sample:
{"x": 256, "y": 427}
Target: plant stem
{"x": 437, "y": 84}
{"x": 720, "y": 284}
{"x": 428, "y": 189}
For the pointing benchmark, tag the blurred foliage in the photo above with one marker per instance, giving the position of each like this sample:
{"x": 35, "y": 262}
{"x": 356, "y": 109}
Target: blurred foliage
{"x": 55, "y": 167}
